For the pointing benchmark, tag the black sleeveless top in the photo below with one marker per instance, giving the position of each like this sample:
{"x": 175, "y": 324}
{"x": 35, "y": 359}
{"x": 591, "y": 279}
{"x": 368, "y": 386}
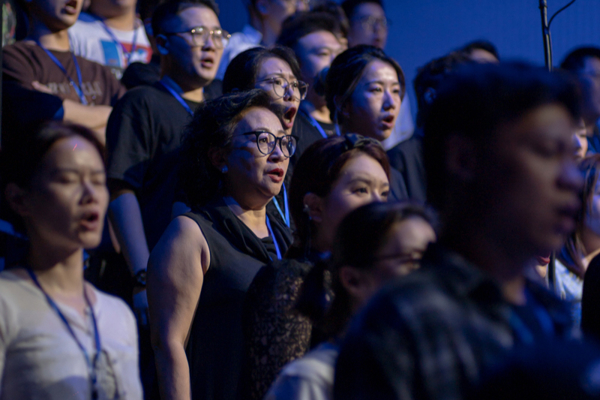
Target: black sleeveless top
{"x": 215, "y": 347}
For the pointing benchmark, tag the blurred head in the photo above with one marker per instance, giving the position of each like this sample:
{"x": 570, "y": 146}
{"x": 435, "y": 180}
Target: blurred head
{"x": 112, "y": 8}
{"x": 503, "y": 163}
{"x": 580, "y": 140}
{"x": 56, "y": 15}
{"x": 364, "y": 89}
{"x": 276, "y": 71}
{"x": 588, "y": 217}
{"x": 585, "y": 63}
{"x": 430, "y": 76}
{"x": 314, "y": 38}
{"x": 270, "y": 14}
{"x": 368, "y": 23}
{"x": 333, "y": 177}
{"x": 190, "y": 41}
{"x": 54, "y": 181}
{"x": 333, "y": 8}
{"x": 481, "y": 51}
{"x": 235, "y": 146}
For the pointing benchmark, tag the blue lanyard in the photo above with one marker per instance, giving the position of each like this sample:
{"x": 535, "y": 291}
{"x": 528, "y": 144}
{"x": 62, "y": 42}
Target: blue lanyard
{"x": 318, "y": 126}
{"x": 91, "y": 364}
{"x": 274, "y": 239}
{"x": 337, "y": 130}
{"x": 286, "y": 215}
{"x": 117, "y": 42}
{"x": 78, "y": 89}
{"x": 177, "y": 96}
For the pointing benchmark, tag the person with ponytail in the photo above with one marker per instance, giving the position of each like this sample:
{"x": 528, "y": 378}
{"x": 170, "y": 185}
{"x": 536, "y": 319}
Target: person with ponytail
{"x": 389, "y": 243}
{"x": 364, "y": 89}
{"x": 333, "y": 177}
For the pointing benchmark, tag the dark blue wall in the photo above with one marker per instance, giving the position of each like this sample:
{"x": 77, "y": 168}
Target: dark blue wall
{"x": 424, "y": 29}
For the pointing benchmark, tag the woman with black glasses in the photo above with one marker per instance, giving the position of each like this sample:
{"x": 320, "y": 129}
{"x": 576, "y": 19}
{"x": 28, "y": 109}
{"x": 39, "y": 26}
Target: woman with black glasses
{"x": 234, "y": 161}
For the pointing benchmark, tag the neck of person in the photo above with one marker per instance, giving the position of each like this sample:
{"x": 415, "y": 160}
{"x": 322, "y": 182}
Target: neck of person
{"x": 252, "y": 215}
{"x": 59, "y": 271}
{"x": 51, "y": 40}
{"x": 123, "y": 20}
{"x": 186, "y": 88}
{"x": 315, "y": 106}
{"x": 487, "y": 253}
{"x": 591, "y": 245}
{"x": 269, "y": 34}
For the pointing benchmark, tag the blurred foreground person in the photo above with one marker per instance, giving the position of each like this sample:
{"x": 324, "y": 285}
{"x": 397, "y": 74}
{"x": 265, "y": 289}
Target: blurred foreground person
{"x": 235, "y": 159}
{"x": 334, "y": 176}
{"x": 498, "y": 154}
{"x": 60, "y": 338}
{"x": 390, "y": 243}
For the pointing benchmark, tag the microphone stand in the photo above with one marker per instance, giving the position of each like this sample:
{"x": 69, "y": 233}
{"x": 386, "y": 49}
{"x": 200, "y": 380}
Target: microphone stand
{"x": 546, "y": 34}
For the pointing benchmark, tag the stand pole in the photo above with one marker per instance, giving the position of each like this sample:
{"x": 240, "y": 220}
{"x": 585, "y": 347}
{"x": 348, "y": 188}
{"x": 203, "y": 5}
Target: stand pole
{"x": 546, "y": 35}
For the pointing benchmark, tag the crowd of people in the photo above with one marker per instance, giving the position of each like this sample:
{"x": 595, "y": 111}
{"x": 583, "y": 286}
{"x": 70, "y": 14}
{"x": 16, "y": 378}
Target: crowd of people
{"x": 191, "y": 214}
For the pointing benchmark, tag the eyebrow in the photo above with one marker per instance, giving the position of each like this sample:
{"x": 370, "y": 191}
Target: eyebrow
{"x": 382, "y": 82}
{"x": 74, "y": 170}
{"x": 367, "y": 180}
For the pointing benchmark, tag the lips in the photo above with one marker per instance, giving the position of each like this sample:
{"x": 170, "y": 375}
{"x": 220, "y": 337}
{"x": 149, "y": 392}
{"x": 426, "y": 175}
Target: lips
{"x": 70, "y": 7}
{"x": 388, "y": 122}
{"x": 207, "y": 62}
{"x": 90, "y": 220}
{"x": 288, "y": 117}
{"x": 276, "y": 174}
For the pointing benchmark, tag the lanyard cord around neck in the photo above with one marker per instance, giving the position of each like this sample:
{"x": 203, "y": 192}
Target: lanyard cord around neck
{"x": 116, "y": 41}
{"x": 277, "y": 250}
{"x": 317, "y": 126}
{"x": 284, "y": 215}
{"x": 90, "y": 363}
{"x": 174, "y": 93}
{"x": 78, "y": 88}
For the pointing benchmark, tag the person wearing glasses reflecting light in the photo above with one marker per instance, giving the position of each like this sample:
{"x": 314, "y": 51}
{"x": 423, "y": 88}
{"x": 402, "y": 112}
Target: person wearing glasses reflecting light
{"x": 235, "y": 158}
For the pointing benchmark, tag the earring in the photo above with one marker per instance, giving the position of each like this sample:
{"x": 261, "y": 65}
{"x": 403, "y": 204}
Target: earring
{"x": 224, "y": 170}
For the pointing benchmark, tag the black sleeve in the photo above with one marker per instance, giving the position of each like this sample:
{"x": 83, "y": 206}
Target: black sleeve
{"x": 129, "y": 140}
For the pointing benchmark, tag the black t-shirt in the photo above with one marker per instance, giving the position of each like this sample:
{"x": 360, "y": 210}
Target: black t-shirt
{"x": 143, "y": 138}
{"x": 307, "y": 134}
{"x": 407, "y": 158}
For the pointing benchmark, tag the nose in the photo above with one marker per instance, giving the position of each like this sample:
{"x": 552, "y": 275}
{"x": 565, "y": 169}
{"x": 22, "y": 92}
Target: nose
{"x": 277, "y": 154}
{"x": 289, "y": 93}
{"x": 570, "y": 177}
{"x": 209, "y": 43}
{"x": 390, "y": 100}
{"x": 90, "y": 193}
{"x": 376, "y": 197}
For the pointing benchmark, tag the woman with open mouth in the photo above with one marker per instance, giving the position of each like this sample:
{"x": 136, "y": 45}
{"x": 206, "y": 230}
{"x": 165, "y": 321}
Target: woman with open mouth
{"x": 363, "y": 89}
{"x": 233, "y": 162}
{"x": 60, "y": 338}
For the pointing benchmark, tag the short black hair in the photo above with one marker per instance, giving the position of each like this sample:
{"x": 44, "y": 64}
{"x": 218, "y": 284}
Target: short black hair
{"x": 333, "y": 8}
{"x": 172, "y": 8}
{"x": 475, "y": 100}
{"x": 430, "y": 76}
{"x": 350, "y": 6}
{"x": 345, "y": 72}
{"x": 304, "y": 23}
{"x": 212, "y": 126}
{"x": 480, "y": 45}
{"x": 575, "y": 60}
{"x": 242, "y": 71}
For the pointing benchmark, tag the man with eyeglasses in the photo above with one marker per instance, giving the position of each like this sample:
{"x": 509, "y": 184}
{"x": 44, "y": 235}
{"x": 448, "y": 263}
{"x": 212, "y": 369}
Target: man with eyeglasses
{"x": 144, "y": 131}
{"x": 369, "y": 25}
{"x": 266, "y": 18}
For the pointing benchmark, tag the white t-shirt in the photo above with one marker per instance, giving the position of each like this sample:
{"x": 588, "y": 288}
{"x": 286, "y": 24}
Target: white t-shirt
{"x": 89, "y": 39}
{"x": 307, "y": 378}
{"x": 39, "y": 359}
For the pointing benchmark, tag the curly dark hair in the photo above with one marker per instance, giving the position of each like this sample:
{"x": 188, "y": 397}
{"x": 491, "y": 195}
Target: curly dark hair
{"x": 212, "y": 127}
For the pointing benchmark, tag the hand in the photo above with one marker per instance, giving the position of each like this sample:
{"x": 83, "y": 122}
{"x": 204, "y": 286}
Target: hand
{"x": 41, "y": 87}
{"x": 140, "y": 306}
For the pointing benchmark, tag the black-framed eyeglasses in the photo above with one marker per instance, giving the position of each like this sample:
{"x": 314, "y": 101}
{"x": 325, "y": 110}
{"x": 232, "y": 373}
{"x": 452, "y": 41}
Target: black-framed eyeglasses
{"x": 281, "y": 85}
{"x": 370, "y": 23}
{"x": 266, "y": 142}
{"x": 200, "y": 34}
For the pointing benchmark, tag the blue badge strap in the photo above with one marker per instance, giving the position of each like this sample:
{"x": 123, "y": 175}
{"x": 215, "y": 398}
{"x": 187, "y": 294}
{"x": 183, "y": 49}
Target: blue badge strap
{"x": 177, "y": 96}
{"x": 110, "y": 33}
{"x": 318, "y": 126}
{"x": 274, "y": 239}
{"x": 78, "y": 89}
{"x": 337, "y": 129}
{"x": 286, "y": 215}
{"x": 91, "y": 364}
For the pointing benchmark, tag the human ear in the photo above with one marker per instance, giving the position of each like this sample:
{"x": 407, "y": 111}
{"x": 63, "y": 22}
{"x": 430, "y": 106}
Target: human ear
{"x": 460, "y": 157}
{"x": 15, "y": 196}
{"x": 218, "y": 158}
{"x": 162, "y": 44}
{"x": 357, "y": 283}
{"x": 262, "y": 7}
{"x": 313, "y": 206}
{"x": 343, "y": 109}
